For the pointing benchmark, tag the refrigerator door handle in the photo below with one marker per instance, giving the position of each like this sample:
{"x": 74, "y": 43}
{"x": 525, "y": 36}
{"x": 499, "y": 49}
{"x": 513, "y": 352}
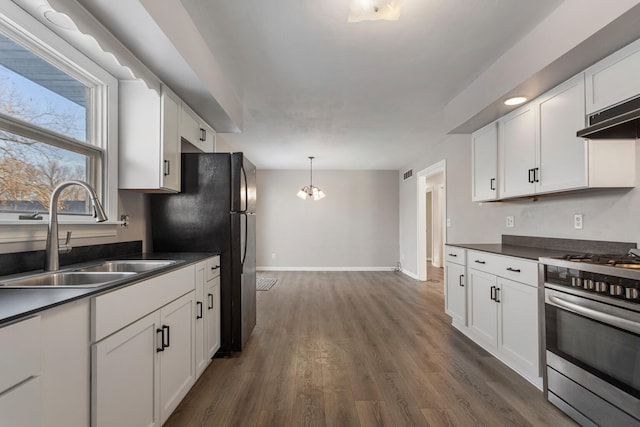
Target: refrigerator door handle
{"x": 246, "y": 232}
{"x": 246, "y": 191}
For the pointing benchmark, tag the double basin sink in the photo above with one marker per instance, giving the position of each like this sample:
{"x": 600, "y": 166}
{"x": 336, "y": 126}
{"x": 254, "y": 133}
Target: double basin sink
{"x": 88, "y": 277}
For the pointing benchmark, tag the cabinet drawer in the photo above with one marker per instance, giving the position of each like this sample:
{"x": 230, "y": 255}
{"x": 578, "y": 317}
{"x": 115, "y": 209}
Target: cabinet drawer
{"x": 455, "y": 255}
{"x": 115, "y": 310}
{"x": 212, "y": 269}
{"x": 21, "y": 350}
{"x": 518, "y": 269}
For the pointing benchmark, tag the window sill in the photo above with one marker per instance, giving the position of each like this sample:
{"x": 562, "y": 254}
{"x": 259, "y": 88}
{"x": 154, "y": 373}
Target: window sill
{"x": 22, "y": 231}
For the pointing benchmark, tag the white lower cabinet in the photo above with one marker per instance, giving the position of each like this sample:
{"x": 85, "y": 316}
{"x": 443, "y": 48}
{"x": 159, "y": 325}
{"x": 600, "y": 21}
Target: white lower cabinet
{"x": 518, "y": 325}
{"x": 207, "y": 312}
{"x": 502, "y": 308}
{"x": 143, "y": 371}
{"x": 125, "y": 368}
{"x": 20, "y": 405}
{"x": 483, "y": 312}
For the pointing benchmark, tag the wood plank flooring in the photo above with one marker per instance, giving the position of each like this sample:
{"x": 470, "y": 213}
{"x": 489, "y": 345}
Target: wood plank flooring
{"x": 360, "y": 349}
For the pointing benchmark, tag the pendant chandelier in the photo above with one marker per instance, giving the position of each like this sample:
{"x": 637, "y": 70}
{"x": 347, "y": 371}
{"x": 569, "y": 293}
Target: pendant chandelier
{"x": 310, "y": 190}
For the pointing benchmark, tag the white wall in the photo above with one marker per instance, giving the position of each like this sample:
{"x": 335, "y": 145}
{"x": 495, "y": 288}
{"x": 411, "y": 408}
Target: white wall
{"x": 608, "y": 214}
{"x": 355, "y": 226}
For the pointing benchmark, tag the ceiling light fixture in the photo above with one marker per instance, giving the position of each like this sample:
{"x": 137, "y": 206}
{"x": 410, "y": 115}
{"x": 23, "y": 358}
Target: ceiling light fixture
{"x": 374, "y": 10}
{"x": 516, "y": 100}
{"x": 310, "y": 190}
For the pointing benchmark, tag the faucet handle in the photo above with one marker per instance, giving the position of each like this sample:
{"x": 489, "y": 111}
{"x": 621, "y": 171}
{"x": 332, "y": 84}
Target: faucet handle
{"x": 65, "y": 247}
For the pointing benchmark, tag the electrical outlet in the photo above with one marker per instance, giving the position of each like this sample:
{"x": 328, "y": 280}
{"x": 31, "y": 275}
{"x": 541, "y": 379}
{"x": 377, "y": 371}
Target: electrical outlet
{"x": 577, "y": 221}
{"x": 448, "y": 222}
{"x": 510, "y": 221}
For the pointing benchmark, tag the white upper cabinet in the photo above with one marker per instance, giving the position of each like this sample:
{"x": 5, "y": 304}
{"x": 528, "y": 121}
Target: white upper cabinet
{"x": 561, "y": 155}
{"x": 539, "y": 152}
{"x": 484, "y": 154}
{"x": 149, "y": 149}
{"x": 196, "y": 132}
{"x": 614, "y": 79}
{"x": 517, "y": 150}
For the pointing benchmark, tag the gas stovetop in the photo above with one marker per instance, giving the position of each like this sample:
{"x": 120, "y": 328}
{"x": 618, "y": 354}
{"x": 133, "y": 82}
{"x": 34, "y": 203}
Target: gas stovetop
{"x": 629, "y": 260}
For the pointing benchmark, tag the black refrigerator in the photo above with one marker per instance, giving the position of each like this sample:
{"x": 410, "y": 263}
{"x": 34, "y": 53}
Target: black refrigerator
{"x": 215, "y": 212}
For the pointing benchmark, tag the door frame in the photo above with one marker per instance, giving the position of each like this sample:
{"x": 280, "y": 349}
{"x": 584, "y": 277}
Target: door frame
{"x": 439, "y": 167}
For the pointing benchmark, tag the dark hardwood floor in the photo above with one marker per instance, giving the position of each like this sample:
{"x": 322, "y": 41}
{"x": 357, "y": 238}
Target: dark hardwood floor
{"x": 360, "y": 349}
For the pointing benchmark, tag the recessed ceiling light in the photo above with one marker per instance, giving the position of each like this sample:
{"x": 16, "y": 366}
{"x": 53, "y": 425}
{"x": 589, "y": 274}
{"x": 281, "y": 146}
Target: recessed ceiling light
{"x": 516, "y": 100}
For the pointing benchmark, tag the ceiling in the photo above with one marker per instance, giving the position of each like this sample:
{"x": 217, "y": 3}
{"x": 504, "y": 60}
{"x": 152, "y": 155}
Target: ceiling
{"x": 368, "y": 95}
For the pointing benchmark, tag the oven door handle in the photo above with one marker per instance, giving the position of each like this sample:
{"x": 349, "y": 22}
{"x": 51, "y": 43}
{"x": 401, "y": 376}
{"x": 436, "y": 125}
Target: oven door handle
{"x": 618, "y": 322}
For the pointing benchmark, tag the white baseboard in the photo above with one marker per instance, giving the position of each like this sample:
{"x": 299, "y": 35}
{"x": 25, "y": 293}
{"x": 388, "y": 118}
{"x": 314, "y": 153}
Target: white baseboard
{"x": 410, "y": 274}
{"x": 259, "y": 268}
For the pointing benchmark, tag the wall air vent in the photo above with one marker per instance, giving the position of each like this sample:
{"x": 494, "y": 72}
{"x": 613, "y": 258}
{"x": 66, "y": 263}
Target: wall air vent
{"x": 408, "y": 174}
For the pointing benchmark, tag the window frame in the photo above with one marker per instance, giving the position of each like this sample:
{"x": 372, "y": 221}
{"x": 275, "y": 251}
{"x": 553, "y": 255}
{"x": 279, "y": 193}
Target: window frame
{"x": 102, "y": 122}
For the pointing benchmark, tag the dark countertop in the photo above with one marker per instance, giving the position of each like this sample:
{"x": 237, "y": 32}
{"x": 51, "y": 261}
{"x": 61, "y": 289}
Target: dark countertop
{"x": 18, "y": 303}
{"x": 526, "y": 252}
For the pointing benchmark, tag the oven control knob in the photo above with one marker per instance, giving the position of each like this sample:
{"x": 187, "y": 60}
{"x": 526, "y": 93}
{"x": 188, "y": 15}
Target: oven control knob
{"x": 588, "y": 284}
{"x": 602, "y": 286}
{"x": 631, "y": 293}
{"x": 576, "y": 282}
{"x": 616, "y": 290}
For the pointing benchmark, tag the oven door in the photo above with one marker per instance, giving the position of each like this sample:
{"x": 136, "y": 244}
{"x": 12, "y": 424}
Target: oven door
{"x": 593, "y": 358}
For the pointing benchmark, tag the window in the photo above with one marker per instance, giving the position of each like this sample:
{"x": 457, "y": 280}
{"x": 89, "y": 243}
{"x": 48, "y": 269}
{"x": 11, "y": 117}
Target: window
{"x": 57, "y": 109}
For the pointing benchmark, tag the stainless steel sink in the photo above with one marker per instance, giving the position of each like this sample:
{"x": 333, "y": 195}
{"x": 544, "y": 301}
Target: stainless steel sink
{"x": 131, "y": 266}
{"x": 67, "y": 279}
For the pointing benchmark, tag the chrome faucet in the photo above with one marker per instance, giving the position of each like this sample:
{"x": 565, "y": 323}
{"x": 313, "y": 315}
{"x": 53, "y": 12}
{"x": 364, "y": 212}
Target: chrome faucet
{"x": 51, "y": 251}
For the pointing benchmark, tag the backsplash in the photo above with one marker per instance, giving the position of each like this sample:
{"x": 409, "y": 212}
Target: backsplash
{"x": 21, "y": 262}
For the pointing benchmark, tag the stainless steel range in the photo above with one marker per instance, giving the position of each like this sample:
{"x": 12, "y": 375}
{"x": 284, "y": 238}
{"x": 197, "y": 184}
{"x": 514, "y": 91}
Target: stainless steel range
{"x": 592, "y": 325}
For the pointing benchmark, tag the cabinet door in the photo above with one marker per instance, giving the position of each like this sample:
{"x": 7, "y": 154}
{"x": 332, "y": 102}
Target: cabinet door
{"x": 170, "y": 142}
{"x": 517, "y": 147}
{"x": 483, "y": 313}
{"x": 20, "y": 406}
{"x": 208, "y": 138}
{"x": 177, "y": 367}
{"x": 484, "y": 152}
{"x": 125, "y": 369}
{"x": 562, "y": 156}
{"x": 212, "y": 328}
{"x": 456, "y": 297}
{"x": 518, "y": 340}
{"x": 189, "y": 125}
{"x": 614, "y": 79}
{"x": 200, "y": 313}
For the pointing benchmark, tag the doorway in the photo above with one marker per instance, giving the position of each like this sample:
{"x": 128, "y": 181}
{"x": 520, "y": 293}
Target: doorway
{"x": 431, "y": 185}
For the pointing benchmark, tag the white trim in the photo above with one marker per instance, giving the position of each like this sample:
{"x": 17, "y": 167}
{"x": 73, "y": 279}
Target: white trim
{"x": 410, "y": 274}
{"x": 440, "y": 167}
{"x": 390, "y": 268}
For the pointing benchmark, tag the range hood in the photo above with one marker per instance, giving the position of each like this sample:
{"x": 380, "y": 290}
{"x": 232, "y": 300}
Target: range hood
{"x": 619, "y": 122}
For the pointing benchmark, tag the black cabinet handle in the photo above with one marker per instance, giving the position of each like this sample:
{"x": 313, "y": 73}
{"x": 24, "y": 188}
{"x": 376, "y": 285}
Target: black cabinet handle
{"x": 493, "y": 293}
{"x": 497, "y": 298}
{"x": 536, "y": 175}
{"x": 492, "y": 184}
{"x": 161, "y": 340}
{"x": 167, "y": 167}
{"x": 210, "y": 297}
{"x": 515, "y": 270}
{"x": 199, "y": 305}
{"x": 168, "y": 329}
{"x": 480, "y": 262}
{"x": 203, "y": 134}
{"x": 531, "y": 177}
{"x": 461, "y": 277}
{"x": 215, "y": 267}
{"x": 453, "y": 255}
